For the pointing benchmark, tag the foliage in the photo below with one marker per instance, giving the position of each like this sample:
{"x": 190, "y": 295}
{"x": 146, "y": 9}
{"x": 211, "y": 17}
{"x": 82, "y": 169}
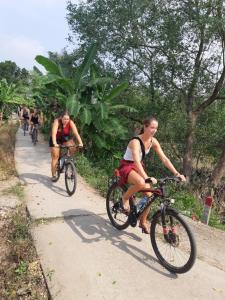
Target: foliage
{"x": 12, "y": 73}
{"x": 89, "y": 98}
{"x": 173, "y": 49}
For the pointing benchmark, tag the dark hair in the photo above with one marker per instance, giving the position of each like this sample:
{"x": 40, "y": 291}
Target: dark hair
{"x": 146, "y": 122}
{"x": 64, "y": 113}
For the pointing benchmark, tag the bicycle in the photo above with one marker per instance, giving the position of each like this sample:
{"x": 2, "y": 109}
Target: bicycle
{"x": 171, "y": 237}
{"x": 25, "y": 126}
{"x": 34, "y": 134}
{"x": 65, "y": 164}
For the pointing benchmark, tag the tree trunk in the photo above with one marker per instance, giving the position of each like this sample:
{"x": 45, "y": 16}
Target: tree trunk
{"x": 188, "y": 154}
{"x": 219, "y": 170}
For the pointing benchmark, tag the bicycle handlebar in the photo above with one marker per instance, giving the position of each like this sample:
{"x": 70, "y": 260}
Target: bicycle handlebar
{"x": 70, "y": 146}
{"x": 162, "y": 181}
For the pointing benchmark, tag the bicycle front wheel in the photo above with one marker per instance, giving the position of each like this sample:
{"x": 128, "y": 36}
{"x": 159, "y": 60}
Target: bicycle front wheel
{"x": 173, "y": 244}
{"x": 70, "y": 178}
{"x": 115, "y": 213}
{"x": 57, "y": 175}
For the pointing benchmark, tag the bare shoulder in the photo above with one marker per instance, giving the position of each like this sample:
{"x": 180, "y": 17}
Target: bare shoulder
{"x": 134, "y": 144}
{"x": 154, "y": 142}
{"x": 72, "y": 123}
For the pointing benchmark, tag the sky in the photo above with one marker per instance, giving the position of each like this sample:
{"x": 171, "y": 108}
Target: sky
{"x": 32, "y": 27}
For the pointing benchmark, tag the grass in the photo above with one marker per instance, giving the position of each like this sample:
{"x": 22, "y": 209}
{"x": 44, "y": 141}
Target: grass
{"x": 7, "y": 146}
{"x": 20, "y": 272}
{"x": 96, "y": 176}
{"x": 16, "y": 190}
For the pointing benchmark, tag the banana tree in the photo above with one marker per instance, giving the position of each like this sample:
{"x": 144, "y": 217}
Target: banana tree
{"x": 10, "y": 96}
{"x": 90, "y": 99}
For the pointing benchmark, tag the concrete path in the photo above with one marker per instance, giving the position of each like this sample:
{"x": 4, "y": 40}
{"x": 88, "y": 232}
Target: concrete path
{"x": 84, "y": 257}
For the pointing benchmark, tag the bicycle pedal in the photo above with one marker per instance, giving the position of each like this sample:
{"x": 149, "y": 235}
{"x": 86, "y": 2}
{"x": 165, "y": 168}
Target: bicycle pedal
{"x": 132, "y": 219}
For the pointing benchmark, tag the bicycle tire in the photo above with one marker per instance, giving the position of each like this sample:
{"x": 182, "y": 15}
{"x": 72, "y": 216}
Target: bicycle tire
{"x": 34, "y": 136}
{"x": 70, "y": 177}
{"x": 171, "y": 213}
{"x": 57, "y": 172}
{"x": 114, "y": 195}
{"x": 24, "y": 128}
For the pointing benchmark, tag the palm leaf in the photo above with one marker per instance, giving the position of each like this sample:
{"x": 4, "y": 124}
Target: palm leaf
{"x": 85, "y": 66}
{"x": 122, "y": 106}
{"x": 99, "y": 142}
{"x": 49, "y": 65}
{"x": 86, "y": 116}
{"x": 73, "y": 105}
{"x": 116, "y": 91}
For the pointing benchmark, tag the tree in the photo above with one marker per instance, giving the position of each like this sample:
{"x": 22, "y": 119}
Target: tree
{"x": 175, "y": 47}
{"x": 89, "y": 98}
{"x": 12, "y": 73}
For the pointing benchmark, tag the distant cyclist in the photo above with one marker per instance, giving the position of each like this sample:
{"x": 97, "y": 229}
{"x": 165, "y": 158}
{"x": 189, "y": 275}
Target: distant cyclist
{"x": 63, "y": 130}
{"x": 24, "y": 114}
{"x": 35, "y": 118}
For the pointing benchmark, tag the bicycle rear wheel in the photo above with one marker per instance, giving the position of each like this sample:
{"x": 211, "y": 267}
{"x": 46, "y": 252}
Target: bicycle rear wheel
{"x": 24, "y": 128}
{"x": 70, "y": 178}
{"x": 174, "y": 245}
{"x": 115, "y": 213}
{"x": 34, "y": 136}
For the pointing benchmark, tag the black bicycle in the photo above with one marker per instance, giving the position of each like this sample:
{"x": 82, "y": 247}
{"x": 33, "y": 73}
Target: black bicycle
{"x": 66, "y": 165}
{"x": 34, "y": 134}
{"x": 25, "y": 126}
{"x": 172, "y": 239}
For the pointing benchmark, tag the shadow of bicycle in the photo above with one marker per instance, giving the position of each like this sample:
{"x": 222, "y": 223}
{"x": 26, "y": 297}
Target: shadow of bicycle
{"x": 92, "y": 228}
{"x": 35, "y": 178}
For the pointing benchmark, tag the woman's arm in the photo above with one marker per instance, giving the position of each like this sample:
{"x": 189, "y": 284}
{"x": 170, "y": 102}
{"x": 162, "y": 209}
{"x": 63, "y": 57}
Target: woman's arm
{"x": 165, "y": 160}
{"x": 54, "y": 131}
{"x": 76, "y": 134}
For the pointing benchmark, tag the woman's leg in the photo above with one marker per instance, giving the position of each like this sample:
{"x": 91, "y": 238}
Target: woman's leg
{"x": 137, "y": 183}
{"x": 55, "y": 156}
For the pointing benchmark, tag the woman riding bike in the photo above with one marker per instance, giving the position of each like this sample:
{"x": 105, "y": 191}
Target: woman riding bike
{"x": 34, "y": 119}
{"x": 24, "y": 115}
{"x": 62, "y": 128}
{"x": 132, "y": 167}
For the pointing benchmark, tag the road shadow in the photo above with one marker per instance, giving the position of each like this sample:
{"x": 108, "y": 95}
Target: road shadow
{"x": 35, "y": 178}
{"x": 92, "y": 228}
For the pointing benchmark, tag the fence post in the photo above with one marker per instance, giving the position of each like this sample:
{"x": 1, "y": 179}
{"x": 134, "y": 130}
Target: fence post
{"x": 207, "y": 209}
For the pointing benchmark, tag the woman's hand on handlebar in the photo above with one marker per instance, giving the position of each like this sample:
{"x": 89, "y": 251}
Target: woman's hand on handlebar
{"x": 181, "y": 176}
{"x": 152, "y": 180}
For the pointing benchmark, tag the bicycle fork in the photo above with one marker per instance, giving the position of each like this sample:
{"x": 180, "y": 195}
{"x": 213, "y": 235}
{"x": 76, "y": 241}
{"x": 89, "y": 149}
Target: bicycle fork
{"x": 165, "y": 230}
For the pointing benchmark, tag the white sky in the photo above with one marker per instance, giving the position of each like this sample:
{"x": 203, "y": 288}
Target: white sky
{"x": 32, "y": 27}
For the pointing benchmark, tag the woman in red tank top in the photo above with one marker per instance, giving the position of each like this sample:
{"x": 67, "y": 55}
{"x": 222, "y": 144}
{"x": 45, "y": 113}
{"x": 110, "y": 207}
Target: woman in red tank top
{"x": 63, "y": 130}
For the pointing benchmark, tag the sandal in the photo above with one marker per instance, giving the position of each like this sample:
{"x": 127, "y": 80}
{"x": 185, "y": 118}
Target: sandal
{"x": 145, "y": 227}
{"x": 54, "y": 178}
{"x": 125, "y": 210}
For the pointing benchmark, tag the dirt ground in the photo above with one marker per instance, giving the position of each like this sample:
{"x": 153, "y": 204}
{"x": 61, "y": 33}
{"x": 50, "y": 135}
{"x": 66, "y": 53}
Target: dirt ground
{"x": 20, "y": 271}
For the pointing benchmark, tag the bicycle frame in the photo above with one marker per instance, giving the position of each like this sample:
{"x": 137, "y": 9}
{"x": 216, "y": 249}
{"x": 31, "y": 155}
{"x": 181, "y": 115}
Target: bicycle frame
{"x": 156, "y": 193}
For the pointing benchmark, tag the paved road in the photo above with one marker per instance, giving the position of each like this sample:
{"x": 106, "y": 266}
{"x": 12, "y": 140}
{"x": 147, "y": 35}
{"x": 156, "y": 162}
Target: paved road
{"x": 83, "y": 257}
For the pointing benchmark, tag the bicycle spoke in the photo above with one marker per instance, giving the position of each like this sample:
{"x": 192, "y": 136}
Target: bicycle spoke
{"x": 175, "y": 249}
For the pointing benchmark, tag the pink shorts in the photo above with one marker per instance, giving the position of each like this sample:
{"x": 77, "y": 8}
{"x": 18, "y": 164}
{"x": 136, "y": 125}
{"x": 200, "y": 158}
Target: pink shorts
{"x": 126, "y": 166}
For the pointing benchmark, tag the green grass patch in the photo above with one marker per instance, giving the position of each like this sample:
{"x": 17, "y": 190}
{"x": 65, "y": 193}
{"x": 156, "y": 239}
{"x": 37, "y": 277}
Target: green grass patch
{"x": 96, "y": 176}
{"x": 16, "y": 190}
